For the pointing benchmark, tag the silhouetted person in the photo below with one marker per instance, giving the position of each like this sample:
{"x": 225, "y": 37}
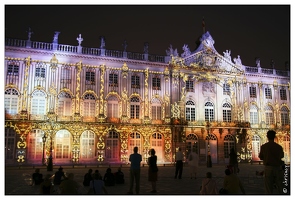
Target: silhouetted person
{"x": 109, "y": 178}
{"x": 119, "y": 176}
{"x": 46, "y": 186}
{"x": 233, "y": 161}
{"x": 87, "y": 178}
{"x": 69, "y": 186}
{"x": 37, "y": 177}
{"x": 59, "y": 176}
{"x": 135, "y": 160}
{"x": 179, "y": 163}
{"x": 232, "y": 183}
{"x": 97, "y": 184}
{"x": 153, "y": 170}
{"x": 272, "y": 153}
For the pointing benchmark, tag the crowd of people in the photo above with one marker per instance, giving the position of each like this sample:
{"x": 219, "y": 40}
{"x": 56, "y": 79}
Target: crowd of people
{"x": 271, "y": 153}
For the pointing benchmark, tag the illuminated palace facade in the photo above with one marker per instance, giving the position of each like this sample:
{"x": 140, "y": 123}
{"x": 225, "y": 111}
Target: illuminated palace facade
{"x": 81, "y": 105}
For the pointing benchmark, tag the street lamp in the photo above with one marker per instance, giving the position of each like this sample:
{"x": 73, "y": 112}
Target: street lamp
{"x": 44, "y": 141}
{"x": 209, "y": 162}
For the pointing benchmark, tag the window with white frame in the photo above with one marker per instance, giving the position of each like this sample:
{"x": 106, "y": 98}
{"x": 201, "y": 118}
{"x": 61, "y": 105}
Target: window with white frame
{"x": 285, "y": 119}
{"x": 134, "y": 141}
{"x": 269, "y": 115}
{"x": 190, "y": 111}
{"x": 192, "y": 143}
{"x": 64, "y": 104}
{"x": 253, "y": 114}
{"x": 268, "y": 94}
{"x": 35, "y": 146}
{"x": 255, "y": 147}
{"x": 38, "y": 106}
{"x": 209, "y": 111}
{"x": 12, "y": 74}
{"x": 89, "y": 105}
{"x": 62, "y": 145}
{"x": 226, "y": 89}
{"x": 112, "y": 145}
{"x": 134, "y": 108}
{"x": 113, "y": 108}
{"x": 189, "y": 85}
{"x": 88, "y": 145}
{"x": 40, "y": 72}
{"x": 226, "y": 112}
{"x": 228, "y": 143}
{"x": 11, "y": 101}
{"x": 156, "y": 109}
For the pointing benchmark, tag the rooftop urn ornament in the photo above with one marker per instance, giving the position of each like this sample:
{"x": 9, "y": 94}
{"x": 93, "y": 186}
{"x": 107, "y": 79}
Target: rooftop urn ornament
{"x": 79, "y": 39}
{"x": 29, "y": 33}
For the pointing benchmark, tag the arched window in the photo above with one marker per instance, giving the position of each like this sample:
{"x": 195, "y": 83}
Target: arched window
{"x": 134, "y": 108}
{"x": 255, "y": 147}
{"x": 38, "y": 106}
{"x": 226, "y": 112}
{"x": 88, "y": 145}
{"x": 11, "y": 101}
{"x": 253, "y": 114}
{"x": 192, "y": 143}
{"x": 157, "y": 144}
{"x": 62, "y": 146}
{"x": 113, "y": 108}
{"x": 89, "y": 105}
{"x": 229, "y": 142}
{"x": 156, "y": 109}
{"x": 285, "y": 120}
{"x": 268, "y": 115}
{"x": 209, "y": 111}
{"x": 112, "y": 146}
{"x": 190, "y": 111}
{"x": 64, "y": 104}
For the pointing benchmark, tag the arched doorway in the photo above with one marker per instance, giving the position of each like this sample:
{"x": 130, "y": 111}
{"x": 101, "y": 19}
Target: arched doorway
{"x": 229, "y": 142}
{"x": 112, "y": 150}
{"x": 255, "y": 147}
{"x": 192, "y": 143}
{"x": 87, "y": 142}
{"x": 157, "y": 144}
{"x": 212, "y": 146}
{"x": 62, "y": 147}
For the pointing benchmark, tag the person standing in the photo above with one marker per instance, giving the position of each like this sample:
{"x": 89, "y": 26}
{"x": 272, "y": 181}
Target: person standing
{"x": 193, "y": 163}
{"x": 209, "y": 186}
{"x": 37, "y": 177}
{"x": 233, "y": 161}
{"x": 272, "y": 153}
{"x": 135, "y": 160}
{"x": 153, "y": 170}
{"x": 179, "y": 163}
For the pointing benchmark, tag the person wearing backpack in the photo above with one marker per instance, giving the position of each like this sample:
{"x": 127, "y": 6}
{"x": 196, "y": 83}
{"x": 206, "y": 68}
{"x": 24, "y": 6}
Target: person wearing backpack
{"x": 87, "y": 178}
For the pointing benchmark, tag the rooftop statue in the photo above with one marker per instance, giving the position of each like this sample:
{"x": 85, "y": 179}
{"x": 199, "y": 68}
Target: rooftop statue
{"x": 186, "y": 50}
{"x": 80, "y": 39}
{"x": 172, "y": 52}
{"x": 227, "y": 55}
{"x": 238, "y": 60}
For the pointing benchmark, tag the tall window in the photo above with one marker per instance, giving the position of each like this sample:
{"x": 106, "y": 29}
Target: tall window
{"x": 88, "y": 145}
{"x": 209, "y": 111}
{"x": 283, "y": 94}
{"x": 255, "y": 147}
{"x": 156, "y": 83}
{"x": 156, "y": 109}
{"x": 113, "y": 108}
{"x": 112, "y": 146}
{"x": 253, "y": 114}
{"x": 268, "y": 94}
{"x": 90, "y": 78}
{"x": 135, "y": 81}
{"x": 38, "y": 103}
{"x": 226, "y": 89}
{"x": 134, "y": 142}
{"x": 226, "y": 112}
{"x": 65, "y": 79}
{"x": 12, "y": 72}
{"x": 40, "y": 72}
{"x": 229, "y": 142}
{"x": 190, "y": 111}
{"x": 10, "y": 144}
{"x": 189, "y": 85}
{"x": 269, "y": 115}
{"x": 113, "y": 80}
{"x": 35, "y": 145}
{"x": 157, "y": 144}
{"x": 62, "y": 145}
{"x": 11, "y": 101}
{"x": 252, "y": 91}
{"x": 192, "y": 143}
{"x": 134, "y": 108}
{"x": 285, "y": 120}
{"x": 64, "y": 104}
{"x": 89, "y": 105}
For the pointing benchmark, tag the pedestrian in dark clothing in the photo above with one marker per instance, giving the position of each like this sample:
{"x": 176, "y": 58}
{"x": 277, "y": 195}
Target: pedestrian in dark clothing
{"x": 37, "y": 177}
{"x": 272, "y": 153}
{"x": 135, "y": 160}
{"x": 109, "y": 178}
{"x": 119, "y": 176}
{"x": 233, "y": 161}
{"x": 59, "y": 176}
{"x": 153, "y": 170}
{"x": 179, "y": 163}
{"x": 87, "y": 178}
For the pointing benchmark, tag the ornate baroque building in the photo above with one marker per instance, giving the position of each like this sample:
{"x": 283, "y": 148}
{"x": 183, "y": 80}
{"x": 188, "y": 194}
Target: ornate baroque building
{"x": 93, "y": 105}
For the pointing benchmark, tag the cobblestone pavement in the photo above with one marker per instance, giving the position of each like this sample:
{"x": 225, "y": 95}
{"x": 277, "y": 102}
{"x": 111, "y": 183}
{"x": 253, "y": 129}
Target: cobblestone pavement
{"x": 18, "y": 179}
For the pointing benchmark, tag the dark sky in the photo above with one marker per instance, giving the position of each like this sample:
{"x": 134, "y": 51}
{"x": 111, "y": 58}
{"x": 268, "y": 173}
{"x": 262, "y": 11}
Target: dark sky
{"x": 247, "y": 30}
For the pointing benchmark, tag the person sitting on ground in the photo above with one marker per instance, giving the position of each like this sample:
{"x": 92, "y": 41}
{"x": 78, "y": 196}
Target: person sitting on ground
{"x": 209, "y": 185}
{"x": 119, "y": 176}
{"x": 69, "y": 186}
{"x": 87, "y": 178}
{"x": 58, "y": 176}
{"x": 98, "y": 185}
{"x": 96, "y": 172}
{"x": 37, "y": 177}
{"x": 109, "y": 178}
{"x": 232, "y": 184}
{"x": 46, "y": 186}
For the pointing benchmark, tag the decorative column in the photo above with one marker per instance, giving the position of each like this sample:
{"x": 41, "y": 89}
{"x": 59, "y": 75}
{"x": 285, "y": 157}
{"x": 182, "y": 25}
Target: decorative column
{"x": 101, "y": 117}
{"x": 146, "y": 119}
{"x": 53, "y": 89}
{"x": 124, "y": 93}
{"x": 24, "y": 112}
{"x": 77, "y": 116}
{"x": 209, "y": 161}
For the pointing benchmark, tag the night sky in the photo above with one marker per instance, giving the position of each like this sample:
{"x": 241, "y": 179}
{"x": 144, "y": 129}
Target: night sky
{"x": 247, "y": 30}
